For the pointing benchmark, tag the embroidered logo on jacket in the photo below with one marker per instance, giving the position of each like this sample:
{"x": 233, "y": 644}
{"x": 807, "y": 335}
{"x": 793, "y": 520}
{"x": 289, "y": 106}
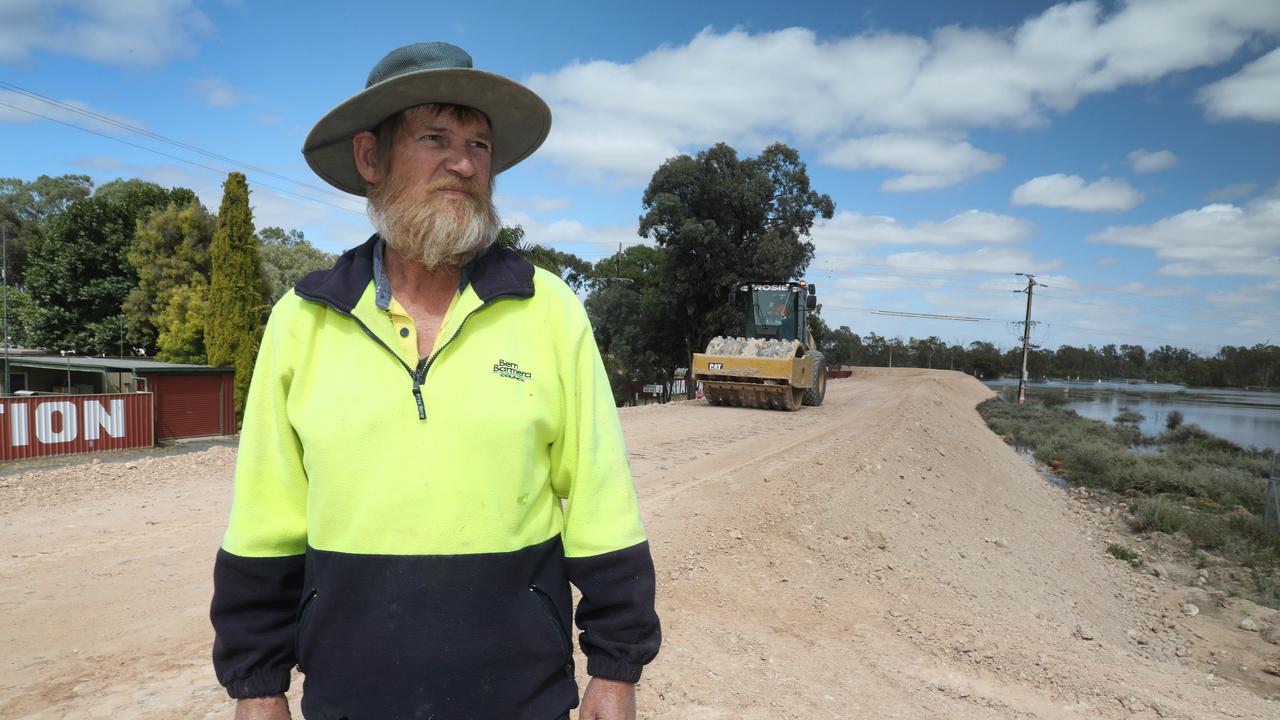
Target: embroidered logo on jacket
{"x": 511, "y": 370}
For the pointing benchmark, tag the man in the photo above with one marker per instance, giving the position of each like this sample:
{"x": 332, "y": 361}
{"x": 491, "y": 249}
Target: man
{"x": 430, "y": 451}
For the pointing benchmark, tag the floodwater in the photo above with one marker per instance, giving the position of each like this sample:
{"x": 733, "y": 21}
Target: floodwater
{"x": 1245, "y": 417}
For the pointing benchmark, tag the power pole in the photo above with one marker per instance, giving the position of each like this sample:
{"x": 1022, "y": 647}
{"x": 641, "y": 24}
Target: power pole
{"x": 4, "y": 272}
{"x": 1026, "y": 336}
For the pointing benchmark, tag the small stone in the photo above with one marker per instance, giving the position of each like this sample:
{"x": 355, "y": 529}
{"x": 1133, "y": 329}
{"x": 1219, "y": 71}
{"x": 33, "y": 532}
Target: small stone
{"x": 1190, "y": 610}
{"x": 1249, "y": 624}
{"x": 1084, "y": 632}
{"x": 1000, "y": 543}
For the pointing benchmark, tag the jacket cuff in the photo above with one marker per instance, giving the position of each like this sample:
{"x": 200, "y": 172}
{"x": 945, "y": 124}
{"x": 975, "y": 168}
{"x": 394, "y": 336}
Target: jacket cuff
{"x": 613, "y": 669}
{"x": 260, "y": 684}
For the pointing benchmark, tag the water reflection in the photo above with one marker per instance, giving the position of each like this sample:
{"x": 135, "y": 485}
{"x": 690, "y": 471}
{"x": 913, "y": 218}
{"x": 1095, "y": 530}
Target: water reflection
{"x": 1242, "y": 416}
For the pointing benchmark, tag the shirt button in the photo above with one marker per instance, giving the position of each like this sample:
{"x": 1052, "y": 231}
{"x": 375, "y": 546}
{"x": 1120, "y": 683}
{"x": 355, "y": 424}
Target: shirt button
{"x": 404, "y": 332}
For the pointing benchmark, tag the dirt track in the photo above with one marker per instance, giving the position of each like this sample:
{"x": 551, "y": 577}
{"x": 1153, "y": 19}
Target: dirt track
{"x": 883, "y": 556}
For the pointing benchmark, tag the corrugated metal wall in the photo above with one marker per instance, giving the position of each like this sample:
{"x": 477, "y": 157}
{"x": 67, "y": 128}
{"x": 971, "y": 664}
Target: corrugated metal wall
{"x": 39, "y": 426}
{"x": 193, "y": 405}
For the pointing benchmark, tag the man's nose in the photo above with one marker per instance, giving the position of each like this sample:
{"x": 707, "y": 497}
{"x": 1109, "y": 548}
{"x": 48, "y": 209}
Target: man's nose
{"x": 460, "y": 163}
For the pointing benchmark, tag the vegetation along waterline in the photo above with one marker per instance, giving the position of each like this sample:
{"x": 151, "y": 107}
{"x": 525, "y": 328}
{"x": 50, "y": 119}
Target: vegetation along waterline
{"x": 1183, "y": 481}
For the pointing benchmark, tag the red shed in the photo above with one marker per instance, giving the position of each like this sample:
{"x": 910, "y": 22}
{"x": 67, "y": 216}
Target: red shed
{"x": 189, "y": 400}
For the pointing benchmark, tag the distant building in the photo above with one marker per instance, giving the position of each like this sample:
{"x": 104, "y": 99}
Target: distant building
{"x": 77, "y": 404}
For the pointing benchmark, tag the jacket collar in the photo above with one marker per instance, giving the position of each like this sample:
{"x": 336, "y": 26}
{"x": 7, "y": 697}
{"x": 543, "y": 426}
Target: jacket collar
{"x": 497, "y": 272}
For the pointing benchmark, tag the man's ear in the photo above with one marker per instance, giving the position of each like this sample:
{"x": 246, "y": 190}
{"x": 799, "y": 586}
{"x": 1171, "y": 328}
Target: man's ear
{"x": 365, "y": 147}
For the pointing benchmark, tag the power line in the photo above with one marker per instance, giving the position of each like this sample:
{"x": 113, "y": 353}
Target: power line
{"x": 945, "y": 283}
{"x": 928, "y": 316}
{"x": 929, "y": 268}
{"x": 157, "y": 136}
{"x": 1092, "y": 288}
{"x": 210, "y": 168}
{"x": 1181, "y": 318}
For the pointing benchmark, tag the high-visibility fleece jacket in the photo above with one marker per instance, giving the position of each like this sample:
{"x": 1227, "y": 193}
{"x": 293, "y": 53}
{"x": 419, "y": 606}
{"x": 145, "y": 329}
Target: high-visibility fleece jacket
{"x": 405, "y": 530}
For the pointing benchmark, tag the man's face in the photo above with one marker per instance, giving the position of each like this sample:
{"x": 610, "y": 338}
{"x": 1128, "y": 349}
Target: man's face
{"x": 437, "y": 148}
{"x": 432, "y": 197}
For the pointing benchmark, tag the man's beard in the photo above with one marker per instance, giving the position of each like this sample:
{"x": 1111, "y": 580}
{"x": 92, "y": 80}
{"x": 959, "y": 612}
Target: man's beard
{"x": 434, "y": 228}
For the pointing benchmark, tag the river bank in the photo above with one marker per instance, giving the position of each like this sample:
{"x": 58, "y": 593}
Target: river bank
{"x": 1183, "y": 482}
{"x": 1245, "y": 417}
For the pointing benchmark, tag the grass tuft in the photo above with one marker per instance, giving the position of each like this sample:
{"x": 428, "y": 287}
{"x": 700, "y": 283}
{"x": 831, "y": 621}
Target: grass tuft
{"x": 1123, "y": 553}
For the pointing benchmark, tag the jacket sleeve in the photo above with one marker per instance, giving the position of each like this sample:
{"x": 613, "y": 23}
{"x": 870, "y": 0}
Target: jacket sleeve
{"x": 606, "y": 554}
{"x": 258, "y": 573}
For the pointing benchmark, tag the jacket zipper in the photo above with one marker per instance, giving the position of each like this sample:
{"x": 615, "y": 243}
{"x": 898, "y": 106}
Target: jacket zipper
{"x": 418, "y": 376}
{"x": 424, "y": 365}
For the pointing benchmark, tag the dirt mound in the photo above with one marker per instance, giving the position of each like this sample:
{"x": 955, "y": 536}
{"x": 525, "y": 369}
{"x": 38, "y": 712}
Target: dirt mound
{"x": 881, "y": 556}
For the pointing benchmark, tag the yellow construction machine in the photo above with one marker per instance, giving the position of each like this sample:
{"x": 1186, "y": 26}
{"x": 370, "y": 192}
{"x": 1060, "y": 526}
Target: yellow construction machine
{"x": 774, "y": 364}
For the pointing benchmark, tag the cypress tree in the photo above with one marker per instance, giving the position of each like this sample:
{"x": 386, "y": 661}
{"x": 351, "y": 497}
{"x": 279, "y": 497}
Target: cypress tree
{"x": 170, "y": 251}
{"x": 237, "y": 298}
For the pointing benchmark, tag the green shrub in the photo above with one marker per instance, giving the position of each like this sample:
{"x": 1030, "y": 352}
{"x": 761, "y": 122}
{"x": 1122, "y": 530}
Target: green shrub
{"x": 1123, "y": 553}
{"x": 1173, "y": 420}
{"x": 1129, "y": 415}
{"x": 1194, "y": 435}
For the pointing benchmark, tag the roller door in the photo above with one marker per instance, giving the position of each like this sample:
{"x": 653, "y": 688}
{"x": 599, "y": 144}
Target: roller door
{"x": 188, "y": 405}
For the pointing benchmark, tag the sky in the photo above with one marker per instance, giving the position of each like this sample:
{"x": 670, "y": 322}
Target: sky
{"x": 1127, "y": 154}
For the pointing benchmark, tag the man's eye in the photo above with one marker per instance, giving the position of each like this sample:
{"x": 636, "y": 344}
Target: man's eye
{"x": 433, "y": 138}
{"x": 480, "y": 145}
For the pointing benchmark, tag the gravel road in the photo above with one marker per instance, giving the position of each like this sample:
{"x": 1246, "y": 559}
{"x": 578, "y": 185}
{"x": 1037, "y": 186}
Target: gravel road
{"x": 882, "y": 556}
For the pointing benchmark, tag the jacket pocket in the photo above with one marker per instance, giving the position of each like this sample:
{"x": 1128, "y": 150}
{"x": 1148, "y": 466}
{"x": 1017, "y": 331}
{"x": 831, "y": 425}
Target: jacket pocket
{"x": 299, "y": 627}
{"x": 556, "y": 625}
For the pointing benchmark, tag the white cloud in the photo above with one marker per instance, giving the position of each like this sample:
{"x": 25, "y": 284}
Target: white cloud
{"x": 1231, "y": 192}
{"x": 536, "y": 203}
{"x": 1145, "y": 162}
{"x": 845, "y": 238}
{"x": 1251, "y": 94}
{"x": 992, "y": 260}
{"x": 216, "y": 92}
{"x": 137, "y": 32}
{"x": 589, "y": 242}
{"x": 928, "y": 162}
{"x": 624, "y": 119}
{"x": 1259, "y": 294}
{"x": 1073, "y": 193}
{"x": 1218, "y": 239}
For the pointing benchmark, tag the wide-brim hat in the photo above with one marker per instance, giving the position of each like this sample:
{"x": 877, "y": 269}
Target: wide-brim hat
{"x": 417, "y": 75}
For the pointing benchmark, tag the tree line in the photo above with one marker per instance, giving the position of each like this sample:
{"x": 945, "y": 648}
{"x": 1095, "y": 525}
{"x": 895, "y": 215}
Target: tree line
{"x": 131, "y": 268}
{"x": 1257, "y": 366}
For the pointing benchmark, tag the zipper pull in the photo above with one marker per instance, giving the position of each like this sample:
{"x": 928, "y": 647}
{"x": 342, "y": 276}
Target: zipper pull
{"x": 417, "y": 397}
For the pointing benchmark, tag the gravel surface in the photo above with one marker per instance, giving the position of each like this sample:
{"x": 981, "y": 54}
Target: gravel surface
{"x": 882, "y": 556}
